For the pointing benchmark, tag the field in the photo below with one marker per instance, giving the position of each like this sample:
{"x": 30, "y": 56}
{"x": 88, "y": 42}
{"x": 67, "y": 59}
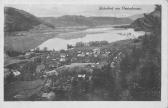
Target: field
{"x": 32, "y": 38}
{"x": 23, "y": 43}
{"x": 23, "y": 88}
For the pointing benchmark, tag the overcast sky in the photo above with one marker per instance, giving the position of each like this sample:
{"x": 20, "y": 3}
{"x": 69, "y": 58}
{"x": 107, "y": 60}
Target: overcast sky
{"x": 56, "y": 10}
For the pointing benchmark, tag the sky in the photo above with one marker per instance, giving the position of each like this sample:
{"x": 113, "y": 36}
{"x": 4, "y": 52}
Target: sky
{"x": 56, "y": 10}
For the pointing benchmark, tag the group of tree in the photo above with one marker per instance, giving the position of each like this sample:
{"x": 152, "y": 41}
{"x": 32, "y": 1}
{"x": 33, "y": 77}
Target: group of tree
{"x": 91, "y": 44}
{"x": 141, "y": 69}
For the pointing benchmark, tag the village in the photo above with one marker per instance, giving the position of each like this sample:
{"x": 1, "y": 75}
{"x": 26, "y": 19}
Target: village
{"x": 76, "y": 57}
{"x": 60, "y": 72}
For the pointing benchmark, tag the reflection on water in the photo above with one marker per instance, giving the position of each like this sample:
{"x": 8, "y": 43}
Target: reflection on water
{"x": 108, "y": 34}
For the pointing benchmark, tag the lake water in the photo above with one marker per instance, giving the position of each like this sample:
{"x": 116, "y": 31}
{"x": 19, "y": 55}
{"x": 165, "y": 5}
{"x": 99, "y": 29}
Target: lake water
{"x": 94, "y": 34}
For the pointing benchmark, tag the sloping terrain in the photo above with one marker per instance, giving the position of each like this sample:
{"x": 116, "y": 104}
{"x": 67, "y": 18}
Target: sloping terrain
{"x": 150, "y": 22}
{"x": 140, "y": 70}
{"x": 19, "y": 20}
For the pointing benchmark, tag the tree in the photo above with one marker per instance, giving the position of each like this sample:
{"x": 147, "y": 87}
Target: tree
{"x": 28, "y": 70}
{"x": 37, "y": 49}
{"x": 62, "y": 51}
{"x": 80, "y": 44}
{"x": 45, "y": 49}
{"x": 69, "y": 46}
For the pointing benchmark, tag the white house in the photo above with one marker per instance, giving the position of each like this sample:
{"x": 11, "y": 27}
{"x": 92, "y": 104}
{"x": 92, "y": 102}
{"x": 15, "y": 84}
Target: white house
{"x": 16, "y": 73}
{"x": 81, "y": 55}
{"x": 49, "y": 96}
{"x": 96, "y": 51}
{"x": 51, "y": 73}
{"x": 112, "y": 65}
{"x": 81, "y": 75}
{"x": 62, "y": 55}
{"x": 62, "y": 59}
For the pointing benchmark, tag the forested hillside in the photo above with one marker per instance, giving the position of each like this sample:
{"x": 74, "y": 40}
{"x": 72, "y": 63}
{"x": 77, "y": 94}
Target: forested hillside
{"x": 140, "y": 70}
{"x": 19, "y": 20}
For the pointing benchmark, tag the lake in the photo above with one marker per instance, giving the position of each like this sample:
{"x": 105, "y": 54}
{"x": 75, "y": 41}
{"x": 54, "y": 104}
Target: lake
{"x": 109, "y": 34}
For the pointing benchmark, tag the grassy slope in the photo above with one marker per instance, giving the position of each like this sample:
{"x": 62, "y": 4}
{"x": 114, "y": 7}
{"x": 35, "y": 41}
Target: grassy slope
{"x": 21, "y": 21}
{"x": 23, "y": 43}
{"x": 26, "y": 88}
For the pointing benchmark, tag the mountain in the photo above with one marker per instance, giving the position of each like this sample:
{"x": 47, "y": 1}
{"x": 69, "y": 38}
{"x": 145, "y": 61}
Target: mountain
{"x": 69, "y": 20}
{"x": 150, "y": 22}
{"x": 75, "y": 20}
{"x": 134, "y": 17}
{"x": 19, "y": 20}
{"x": 110, "y": 20}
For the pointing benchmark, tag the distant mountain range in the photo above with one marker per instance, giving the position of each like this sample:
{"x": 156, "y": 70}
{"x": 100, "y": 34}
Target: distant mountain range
{"x": 134, "y": 17}
{"x": 19, "y": 20}
{"x": 75, "y": 20}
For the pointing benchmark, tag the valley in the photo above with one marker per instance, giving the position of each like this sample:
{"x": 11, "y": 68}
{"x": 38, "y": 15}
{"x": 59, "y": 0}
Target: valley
{"x": 78, "y": 58}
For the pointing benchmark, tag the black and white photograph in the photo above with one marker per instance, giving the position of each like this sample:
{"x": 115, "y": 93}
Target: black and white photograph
{"x": 82, "y": 52}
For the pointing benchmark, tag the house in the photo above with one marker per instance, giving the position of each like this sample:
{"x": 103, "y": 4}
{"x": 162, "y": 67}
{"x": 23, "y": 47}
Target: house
{"x": 54, "y": 59}
{"x": 104, "y": 55}
{"x": 73, "y": 59}
{"x": 112, "y": 65}
{"x": 108, "y": 52}
{"x": 20, "y": 34}
{"x": 62, "y": 55}
{"x": 48, "y": 57}
{"x": 81, "y": 55}
{"x": 90, "y": 78}
{"x": 96, "y": 51}
{"x": 40, "y": 68}
{"x": 92, "y": 65}
{"x": 44, "y": 76}
{"x": 51, "y": 73}
{"x": 62, "y": 59}
{"x": 16, "y": 73}
{"x": 95, "y": 55}
{"x": 87, "y": 53}
{"x": 53, "y": 65}
{"x": 148, "y": 33}
{"x": 87, "y": 60}
{"x": 81, "y": 75}
{"x": 19, "y": 97}
{"x": 104, "y": 63}
{"x": 79, "y": 52}
{"x": 48, "y": 96}
{"x": 32, "y": 50}
{"x": 119, "y": 53}
{"x": 28, "y": 54}
{"x": 115, "y": 58}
